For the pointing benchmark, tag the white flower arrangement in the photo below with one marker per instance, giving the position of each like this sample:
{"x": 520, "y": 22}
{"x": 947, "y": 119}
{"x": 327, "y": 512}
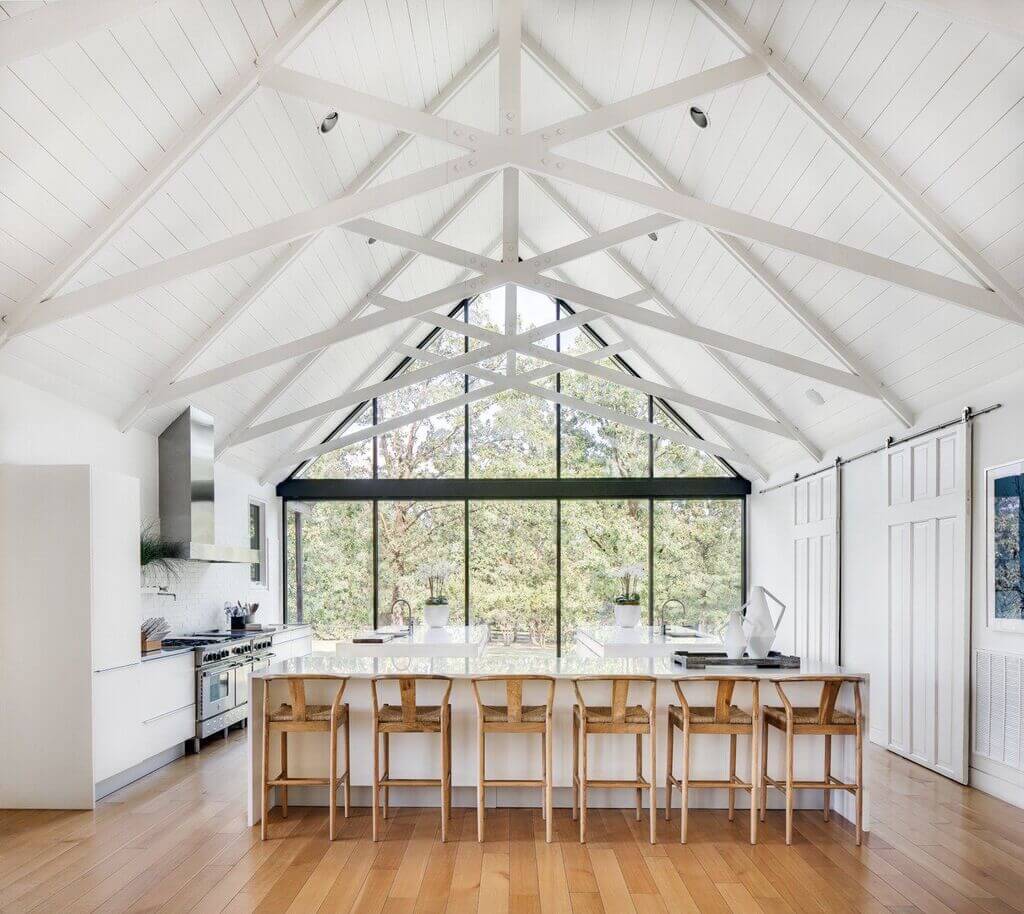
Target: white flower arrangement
{"x": 435, "y": 575}
{"x": 630, "y": 576}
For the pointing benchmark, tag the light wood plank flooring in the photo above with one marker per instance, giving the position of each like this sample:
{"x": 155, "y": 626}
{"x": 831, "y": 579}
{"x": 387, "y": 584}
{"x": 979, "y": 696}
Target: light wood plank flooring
{"x": 177, "y": 841}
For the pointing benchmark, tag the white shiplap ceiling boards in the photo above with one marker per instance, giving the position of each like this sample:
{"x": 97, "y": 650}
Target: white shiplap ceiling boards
{"x": 132, "y": 134}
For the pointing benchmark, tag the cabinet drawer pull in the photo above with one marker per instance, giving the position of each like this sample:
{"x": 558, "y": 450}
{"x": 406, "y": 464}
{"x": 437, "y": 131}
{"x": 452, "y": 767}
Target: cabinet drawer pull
{"x": 165, "y": 714}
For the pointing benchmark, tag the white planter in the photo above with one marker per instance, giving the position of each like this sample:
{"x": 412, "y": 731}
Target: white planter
{"x": 436, "y": 615}
{"x": 627, "y": 615}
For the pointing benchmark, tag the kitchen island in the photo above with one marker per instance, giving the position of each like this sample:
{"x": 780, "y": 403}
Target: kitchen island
{"x": 516, "y": 756}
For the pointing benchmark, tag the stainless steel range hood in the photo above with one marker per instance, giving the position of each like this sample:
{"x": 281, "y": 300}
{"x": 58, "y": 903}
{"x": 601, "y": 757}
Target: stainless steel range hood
{"x": 187, "y": 491}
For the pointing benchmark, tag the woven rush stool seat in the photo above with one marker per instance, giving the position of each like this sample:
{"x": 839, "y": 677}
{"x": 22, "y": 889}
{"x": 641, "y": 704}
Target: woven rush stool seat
{"x": 425, "y": 714}
{"x": 706, "y": 715}
{"x": 513, "y": 717}
{"x": 598, "y": 714}
{"x": 807, "y": 717}
{"x": 313, "y": 712}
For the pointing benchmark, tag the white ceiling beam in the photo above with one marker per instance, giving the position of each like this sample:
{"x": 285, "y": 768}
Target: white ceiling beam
{"x": 50, "y": 26}
{"x": 733, "y": 222}
{"x": 346, "y": 330}
{"x": 686, "y": 330}
{"x": 369, "y": 174}
{"x": 656, "y": 170}
{"x": 281, "y": 231}
{"x": 352, "y": 397}
{"x": 573, "y": 363}
{"x": 662, "y": 98}
{"x": 600, "y": 241}
{"x": 524, "y": 383}
{"x": 894, "y": 184}
{"x": 110, "y": 223}
{"x": 372, "y": 107}
{"x": 427, "y": 246}
{"x": 510, "y": 52}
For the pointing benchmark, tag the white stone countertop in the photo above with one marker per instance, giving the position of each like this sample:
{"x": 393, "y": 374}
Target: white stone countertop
{"x": 644, "y": 641}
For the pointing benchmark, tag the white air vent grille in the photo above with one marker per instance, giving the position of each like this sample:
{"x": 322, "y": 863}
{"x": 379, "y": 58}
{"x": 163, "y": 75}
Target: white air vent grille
{"x": 998, "y": 706}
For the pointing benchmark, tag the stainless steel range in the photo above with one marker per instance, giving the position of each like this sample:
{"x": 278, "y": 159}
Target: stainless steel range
{"x": 224, "y": 662}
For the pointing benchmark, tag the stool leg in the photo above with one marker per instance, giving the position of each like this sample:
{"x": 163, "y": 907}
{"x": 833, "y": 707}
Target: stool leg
{"x": 480, "y": 777}
{"x": 827, "y": 803}
{"x": 668, "y": 770}
{"x": 653, "y": 789}
{"x": 754, "y": 785}
{"x": 543, "y": 775}
{"x": 332, "y": 780}
{"x": 376, "y": 781}
{"x": 789, "y": 785}
{"x": 348, "y": 766}
{"x": 732, "y": 776}
{"x": 583, "y": 783}
{"x": 764, "y": 767}
{"x": 386, "y": 791}
{"x": 265, "y": 810}
{"x": 859, "y": 749}
{"x": 284, "y": 773}
{"x": 547, "y": 782}
{"x": 684, "y": 785}
{"x": 575, "y": 766}
{"x": 639, "y": 774}
{"x": 446, "y": 767}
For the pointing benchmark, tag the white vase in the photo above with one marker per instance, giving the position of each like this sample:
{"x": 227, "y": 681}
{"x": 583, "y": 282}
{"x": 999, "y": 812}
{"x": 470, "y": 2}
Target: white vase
{"x": 734, "y": 638}
{"x": 627, "y": 615}
{"x": 759, "y": 626}
{"x": 436, "y": 614}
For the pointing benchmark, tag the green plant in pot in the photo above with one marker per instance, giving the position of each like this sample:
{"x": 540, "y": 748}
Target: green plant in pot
{"x": 627, "y": 600}
{"x": 436, "y": 608}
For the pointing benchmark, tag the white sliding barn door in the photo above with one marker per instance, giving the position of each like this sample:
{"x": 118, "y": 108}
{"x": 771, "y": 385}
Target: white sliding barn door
{"x": 816, "y": 567}
{"x": 928, "y": 526}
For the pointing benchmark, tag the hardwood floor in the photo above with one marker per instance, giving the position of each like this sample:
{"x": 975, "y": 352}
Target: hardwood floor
{"x": 177, "y": 841}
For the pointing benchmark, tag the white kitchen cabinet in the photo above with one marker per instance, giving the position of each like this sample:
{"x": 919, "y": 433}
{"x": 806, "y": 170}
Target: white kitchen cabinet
{"x": 293, "y": 642}
{"x": 168, "y": 706}
{"x": 116, "y": 720}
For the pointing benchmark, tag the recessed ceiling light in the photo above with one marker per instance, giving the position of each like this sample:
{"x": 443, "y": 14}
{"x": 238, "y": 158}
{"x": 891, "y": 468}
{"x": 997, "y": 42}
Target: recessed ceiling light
{"x": 698, "y": 117}
{"x": 371, "y": 240}
{"x": 816, "y": 398}
{"x": 329, "y": 122}
{"x": 653, "y": 236}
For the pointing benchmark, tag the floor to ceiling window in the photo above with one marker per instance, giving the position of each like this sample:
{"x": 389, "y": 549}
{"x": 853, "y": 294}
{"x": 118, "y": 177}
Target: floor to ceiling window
{"x": 533, "y": 504}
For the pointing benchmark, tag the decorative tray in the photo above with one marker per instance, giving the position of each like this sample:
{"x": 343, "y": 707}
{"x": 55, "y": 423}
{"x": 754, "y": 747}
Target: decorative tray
{"x": 694, "y": 660}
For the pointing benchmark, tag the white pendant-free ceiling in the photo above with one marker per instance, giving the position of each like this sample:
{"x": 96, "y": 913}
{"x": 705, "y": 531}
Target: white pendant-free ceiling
{"x": 224, "y": 250}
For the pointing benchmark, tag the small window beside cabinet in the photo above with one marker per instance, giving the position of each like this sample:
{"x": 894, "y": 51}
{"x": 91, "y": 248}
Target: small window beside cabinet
{"x": 258, "y": 540}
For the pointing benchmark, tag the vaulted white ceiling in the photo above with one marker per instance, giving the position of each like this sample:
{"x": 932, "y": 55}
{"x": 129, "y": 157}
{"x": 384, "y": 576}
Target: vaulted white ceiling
{"x": 137, "y": 132}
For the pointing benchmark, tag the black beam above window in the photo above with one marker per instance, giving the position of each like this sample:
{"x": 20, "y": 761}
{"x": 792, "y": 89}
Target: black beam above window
{"x": 507, "y": 489}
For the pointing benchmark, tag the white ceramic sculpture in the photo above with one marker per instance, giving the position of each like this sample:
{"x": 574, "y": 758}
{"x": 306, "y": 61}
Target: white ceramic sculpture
{"x": 733, "y": 636}
{"x": 759, "y": 627}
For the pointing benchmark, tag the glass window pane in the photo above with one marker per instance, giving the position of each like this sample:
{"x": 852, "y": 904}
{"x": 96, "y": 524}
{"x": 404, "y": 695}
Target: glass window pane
{"x": 352, "y": 462}
{"x": 597, "y": 538}
{"x": 412, "y": 534}
{"x": 674, "y": 459}
{"x": 698, "y": 560}
{"x": 512, "y": 573}
{"x": 336, "y": 572}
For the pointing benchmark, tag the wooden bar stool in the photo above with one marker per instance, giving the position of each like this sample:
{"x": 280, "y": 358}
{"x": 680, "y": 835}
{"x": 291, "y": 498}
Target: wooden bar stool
{"x": 823, "y": 720}
{"x": 514, "y": 717}
{"x": 723, "y": 718}
{"x": 617, "y": 718}
{"x": 301, "y": 717}
{"x": 409, "y": 717}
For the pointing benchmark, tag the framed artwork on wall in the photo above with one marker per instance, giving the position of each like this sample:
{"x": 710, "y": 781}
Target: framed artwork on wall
{"x": 1004, "y": 487}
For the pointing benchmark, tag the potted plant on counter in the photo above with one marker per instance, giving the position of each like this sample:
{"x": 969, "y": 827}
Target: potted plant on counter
{"x": 435, "y": 608}
{"x": 627, "y": 601}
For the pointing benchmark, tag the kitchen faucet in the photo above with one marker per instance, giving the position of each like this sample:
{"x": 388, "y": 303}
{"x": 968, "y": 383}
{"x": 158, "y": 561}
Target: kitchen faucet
{"x": 664, "y": 606}
{"x": 408, "y": 616}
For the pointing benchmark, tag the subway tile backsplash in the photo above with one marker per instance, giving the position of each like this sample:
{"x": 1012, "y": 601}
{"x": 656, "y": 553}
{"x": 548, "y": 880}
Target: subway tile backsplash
{"x": 201, "y": 591}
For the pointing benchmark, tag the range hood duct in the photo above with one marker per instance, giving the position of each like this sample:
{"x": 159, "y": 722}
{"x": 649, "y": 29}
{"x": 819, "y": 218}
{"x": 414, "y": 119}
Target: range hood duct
{"x": 187, "y": 491}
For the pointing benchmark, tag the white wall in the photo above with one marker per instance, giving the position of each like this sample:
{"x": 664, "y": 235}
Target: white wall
{"x": 998, "y": 439}
{"x": 40, "y": 428}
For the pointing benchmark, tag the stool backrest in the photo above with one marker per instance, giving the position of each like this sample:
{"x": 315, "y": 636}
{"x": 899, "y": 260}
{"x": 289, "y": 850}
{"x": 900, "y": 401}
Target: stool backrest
{"x": 725, "y": 687}
{"x": 620, "y": 692}
{"x": 831, "y": 686}
{"x": 407, "y": 692}
{"x": 297, "y": 691}
{"x": 514, "y": 692}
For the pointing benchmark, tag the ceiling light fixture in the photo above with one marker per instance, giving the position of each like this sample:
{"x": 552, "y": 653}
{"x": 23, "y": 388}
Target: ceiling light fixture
{"x": 653, "y": 236}
{"x": 816, "y": 398}
{"x": 329, "y": 122}
{"x": 371, "y": 240}
{"x": 698, "y": 117}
